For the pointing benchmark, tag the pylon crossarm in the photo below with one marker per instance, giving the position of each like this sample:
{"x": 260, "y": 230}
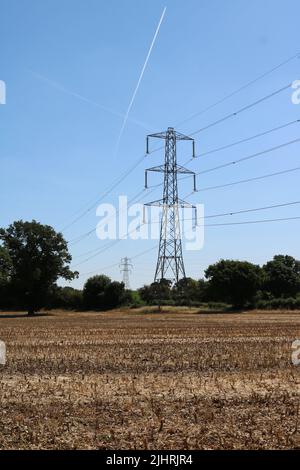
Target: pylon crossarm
{"x": 185, "y": 204}
{"x": 182, "y": 169}
{"x": 158, "y": 135}
{"x": 159, "y": 202}
{"x": 159, "y": 168}
{"x": 180, "y": 136}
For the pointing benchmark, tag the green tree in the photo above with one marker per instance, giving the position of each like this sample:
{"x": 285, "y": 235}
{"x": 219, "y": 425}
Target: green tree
{"x": 185, "y": 291}
{"x": 66, "y": 297}
{"x": 157, "y": 292}
{"x": 282, "y": 276}
{"x": 100, "y": 293}
{"x": 135, "y": 298}
{"x": 234, "y": 282}
{"x": 39, "y": 257}
{"x": 5, "y": 265}
{"x": 115, "y": 295}
{"x": 94, "y": 292}
{"x": 5, "y": 271}
{"x": 202, "y": 290}
{"x": 145, "y": 294}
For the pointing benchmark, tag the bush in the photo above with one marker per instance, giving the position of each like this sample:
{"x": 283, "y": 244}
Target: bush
{"x": 66, "y": 298}
{"x": 281, "y": 303}
{"x": 135, "y": 300}
{"x": 218, "y": 306}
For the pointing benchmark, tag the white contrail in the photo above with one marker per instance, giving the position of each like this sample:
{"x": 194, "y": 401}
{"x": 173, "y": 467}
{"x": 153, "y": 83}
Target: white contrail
{"x": 139, "y": 81}
{"x": 67, "y": 91}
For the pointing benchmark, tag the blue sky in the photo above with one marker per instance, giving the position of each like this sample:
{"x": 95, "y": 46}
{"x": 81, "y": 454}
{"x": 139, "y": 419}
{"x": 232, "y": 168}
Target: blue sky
{"x": 71, "y": 66}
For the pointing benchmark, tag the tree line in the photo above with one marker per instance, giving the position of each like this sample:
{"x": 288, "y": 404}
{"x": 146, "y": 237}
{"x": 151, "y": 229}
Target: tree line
{"x": 237, "y": 284}
{"x": 33, "y": 257}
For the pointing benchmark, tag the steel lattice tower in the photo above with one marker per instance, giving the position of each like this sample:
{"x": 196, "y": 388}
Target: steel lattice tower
{"x": 125, "y": 268}
{"x": 170, "y": 259}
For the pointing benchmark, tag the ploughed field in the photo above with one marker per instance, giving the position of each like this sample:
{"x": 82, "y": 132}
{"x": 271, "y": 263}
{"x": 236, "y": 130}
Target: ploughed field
{"x": 136, "y": 379}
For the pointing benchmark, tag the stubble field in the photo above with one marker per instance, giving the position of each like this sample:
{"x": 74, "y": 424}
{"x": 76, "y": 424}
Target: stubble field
{"x": 128, "y": 379}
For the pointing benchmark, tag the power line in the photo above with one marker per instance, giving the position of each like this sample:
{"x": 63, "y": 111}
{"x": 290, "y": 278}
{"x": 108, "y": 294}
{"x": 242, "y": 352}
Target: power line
{"x": 221, "y": 166}
{"x": 254, "y": 155}
{"x": 242, "y": 211}
{"x": 245, "y": 158}
{"x": 230, "y": 213}
{"x": 91, "y": 231}
{"x": 243, "y": 87}
{"x": 253, "y": 222}
{"x": 241, "y": 110}
{"x": 100, "y": 269}
{"x": 142, "y": 253}
{"x": 95, "y": 250}
{"x": 248, "y": 139}
{"x": 108, "y": 246}
{"x": 228, "y": 116}
{"x": 107, "y": 192}
{"x": 98, "y": 252}
{"x": 235, "y": 113}
{"x": 216, "y": 168}
{"x": 236, "y": 143}
{"x": 247, "y": 222}
{"x": 248, "y": 180}
{"x": 119, "y": 181}
{"x": 214, "y": 187}
{"x": 243, "y": 222}
{"x": 234, "y": 162}
{"x": 124, "y": 123}
{"x": 86, "y": 234}
{"x": 122, "y": 177}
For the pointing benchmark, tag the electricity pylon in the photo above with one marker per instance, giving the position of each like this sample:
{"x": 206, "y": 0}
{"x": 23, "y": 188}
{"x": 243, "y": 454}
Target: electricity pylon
{"x": 125, "y": 268}
{"x": 170, "y": 260}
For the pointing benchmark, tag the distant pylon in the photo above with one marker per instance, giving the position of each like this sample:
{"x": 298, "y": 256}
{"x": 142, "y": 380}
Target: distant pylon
{"x": 125, "y": 268}
{"x": 170, "y": 259}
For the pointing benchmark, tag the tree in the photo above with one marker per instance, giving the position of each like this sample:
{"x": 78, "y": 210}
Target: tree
{"x": 185, "y": 291}
{"x": 94, "y": 291}
{"x": 145, "y": 294}
{"x": 235, "y": 282}
{"x": 202, "y": 290}
{"x": 100, "y": 293}
{"x": 114, "y": 295}
{"x": 5, "y": 265}
{"x": 5, "y": 270}
{"x": 189, "y": 290}
{"x": 134, "y": 298}
{"x": 157, "y": 292}
{"x": 66, "y": 297}
{"x": 282, "y": 276}
{"x": 39, "y": 257}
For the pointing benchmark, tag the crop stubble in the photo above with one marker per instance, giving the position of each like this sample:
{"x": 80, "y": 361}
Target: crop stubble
{"x": 134, "y": 380}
